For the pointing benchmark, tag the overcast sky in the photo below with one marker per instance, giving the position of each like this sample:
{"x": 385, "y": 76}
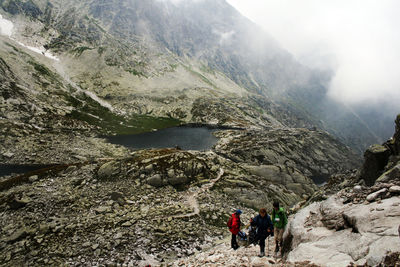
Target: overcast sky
{"x": 359, "y": 39}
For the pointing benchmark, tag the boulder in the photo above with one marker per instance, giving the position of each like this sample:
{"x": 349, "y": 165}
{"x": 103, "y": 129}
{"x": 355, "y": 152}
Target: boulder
{"x": 156, "y": 181}
{"x": 33, "y": 178}
{"x": 18, "y": 203}
{"x": 118, "y": 197}
{"x": 178, "y": 180}
{"x": 392, "y": 174}
{"x": 108, "y": 170}
{"x": 371, "y": 197}
{"x": 394, "y": 189}
{"x": 375, "y": 159}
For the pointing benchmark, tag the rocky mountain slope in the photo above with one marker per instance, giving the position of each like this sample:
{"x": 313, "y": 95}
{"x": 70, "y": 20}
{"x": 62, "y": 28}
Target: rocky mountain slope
{"x": 111, "y": 67}
{"x": 356, "y": 225}
{"x": 159, "y": 57}
{"x": 141, "y": 202}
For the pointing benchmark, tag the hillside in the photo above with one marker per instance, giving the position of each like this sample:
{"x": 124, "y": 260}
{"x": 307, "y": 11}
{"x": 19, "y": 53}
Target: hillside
{"x": 183, "y": 51}
{"x": 73, "y": 73}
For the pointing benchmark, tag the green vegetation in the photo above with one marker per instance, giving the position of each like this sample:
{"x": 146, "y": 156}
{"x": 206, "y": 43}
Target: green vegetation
{"x": 79, "y": 50}
{"x": 207, "y": 81}
{"x": 17, "y": 50}
{"x": 135, "y": 72}
{"x": 41, "y": 69}
{"x": 101, "y": 50}
{"x": 109, "y": 123}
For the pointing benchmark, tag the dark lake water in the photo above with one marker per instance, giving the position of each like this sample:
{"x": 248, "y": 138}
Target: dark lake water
{"x": 191, "y": 138}
{"x": 7, "y": 169}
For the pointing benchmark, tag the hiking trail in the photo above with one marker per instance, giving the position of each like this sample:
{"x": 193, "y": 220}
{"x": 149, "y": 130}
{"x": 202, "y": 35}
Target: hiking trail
{"x": 191, "y": 196}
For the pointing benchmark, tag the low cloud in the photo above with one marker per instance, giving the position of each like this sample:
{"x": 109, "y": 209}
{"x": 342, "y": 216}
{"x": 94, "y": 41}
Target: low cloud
{"x": 225, "y": 37}
{"x": 358, "y": 39}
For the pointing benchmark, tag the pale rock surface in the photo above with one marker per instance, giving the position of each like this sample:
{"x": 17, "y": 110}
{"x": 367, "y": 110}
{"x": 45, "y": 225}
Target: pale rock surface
{"x": 371, "y": 197}
{"x": 366, "y": 233}
{"x": 223, "y": 255}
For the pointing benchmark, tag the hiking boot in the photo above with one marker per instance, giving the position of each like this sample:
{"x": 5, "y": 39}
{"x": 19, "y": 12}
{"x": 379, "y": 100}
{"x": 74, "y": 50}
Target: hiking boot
{"x": 262, "y": 254}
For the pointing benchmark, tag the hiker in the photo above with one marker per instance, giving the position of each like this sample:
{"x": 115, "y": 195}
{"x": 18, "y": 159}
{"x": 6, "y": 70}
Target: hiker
{"x": 234, "y": 227}
{"x": 279, "y": 220}
{"x": 264, "y": 228}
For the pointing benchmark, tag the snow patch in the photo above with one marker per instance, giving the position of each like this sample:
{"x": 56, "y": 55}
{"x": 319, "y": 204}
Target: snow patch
{"x": 40, "y": 50}
{"x": 60, "y": 70}
{"x": 6, "y": 27}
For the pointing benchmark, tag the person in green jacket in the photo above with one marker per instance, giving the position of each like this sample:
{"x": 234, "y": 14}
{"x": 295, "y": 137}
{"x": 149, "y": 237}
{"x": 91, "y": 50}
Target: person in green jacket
{"x": 279, "y": 219}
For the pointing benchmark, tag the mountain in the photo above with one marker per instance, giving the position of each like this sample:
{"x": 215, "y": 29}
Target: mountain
{"x": 177, "y": 48}
{"x": 74, "y": 72}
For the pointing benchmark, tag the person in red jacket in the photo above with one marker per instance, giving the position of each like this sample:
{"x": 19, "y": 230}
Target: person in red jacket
{"x": 234, "y": 227}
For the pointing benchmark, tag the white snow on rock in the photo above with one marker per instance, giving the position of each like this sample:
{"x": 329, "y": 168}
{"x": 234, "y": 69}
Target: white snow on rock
{"x": 6, "y": 27}
{"x": 40, "y": 50}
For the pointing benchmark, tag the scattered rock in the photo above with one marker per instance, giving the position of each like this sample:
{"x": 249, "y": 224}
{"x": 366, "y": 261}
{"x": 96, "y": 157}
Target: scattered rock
{"x": 371, "y": 197}
{"x": 103, "y": 209}
{"x": 33, "y": 178}
{"x": 394, "y": 189}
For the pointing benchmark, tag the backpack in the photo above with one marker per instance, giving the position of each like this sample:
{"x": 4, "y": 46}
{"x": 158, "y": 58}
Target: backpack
{"x": 229, "y": 223}
{"x": 252, "y": 235}
{"x": 242, "y": 235}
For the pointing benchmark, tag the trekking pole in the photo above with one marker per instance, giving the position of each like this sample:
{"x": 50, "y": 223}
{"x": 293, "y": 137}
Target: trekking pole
{"x": 268, "y": 246}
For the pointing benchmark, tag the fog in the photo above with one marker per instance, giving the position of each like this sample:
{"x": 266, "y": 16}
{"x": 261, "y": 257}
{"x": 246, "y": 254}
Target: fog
{"x": 358, "y": 39}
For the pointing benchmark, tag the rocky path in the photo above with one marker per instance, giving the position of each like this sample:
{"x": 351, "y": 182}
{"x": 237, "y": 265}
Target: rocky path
{"x": 191, "y": 197}
{"x": 223, "y": 255}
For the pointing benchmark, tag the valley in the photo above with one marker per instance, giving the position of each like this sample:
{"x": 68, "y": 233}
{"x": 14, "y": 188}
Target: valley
{"x": 151, "y": 134}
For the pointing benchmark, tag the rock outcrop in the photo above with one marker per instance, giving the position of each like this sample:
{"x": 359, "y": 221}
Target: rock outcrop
{"x": 338, "y": 232}
{"x": 375, "y": 159}
{"x": 358, "y": 225}
{"x": 380, "y": 161}
{"x": 294, "y": 151}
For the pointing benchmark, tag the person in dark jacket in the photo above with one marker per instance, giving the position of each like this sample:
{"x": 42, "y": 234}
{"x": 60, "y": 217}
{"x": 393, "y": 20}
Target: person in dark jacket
{"x": 264, "y": 228}
{"x": 234, "y": 227}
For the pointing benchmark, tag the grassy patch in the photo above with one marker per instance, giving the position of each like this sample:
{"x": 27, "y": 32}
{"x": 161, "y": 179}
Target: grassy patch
{"x": 101, "y": 50}
{"x": 86, "y": 109}
{"x": 41, "y": 69}
{"x": 135, "y": 72}
{"x": 79, "y": 50}
{"x": 202, "y": 77}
